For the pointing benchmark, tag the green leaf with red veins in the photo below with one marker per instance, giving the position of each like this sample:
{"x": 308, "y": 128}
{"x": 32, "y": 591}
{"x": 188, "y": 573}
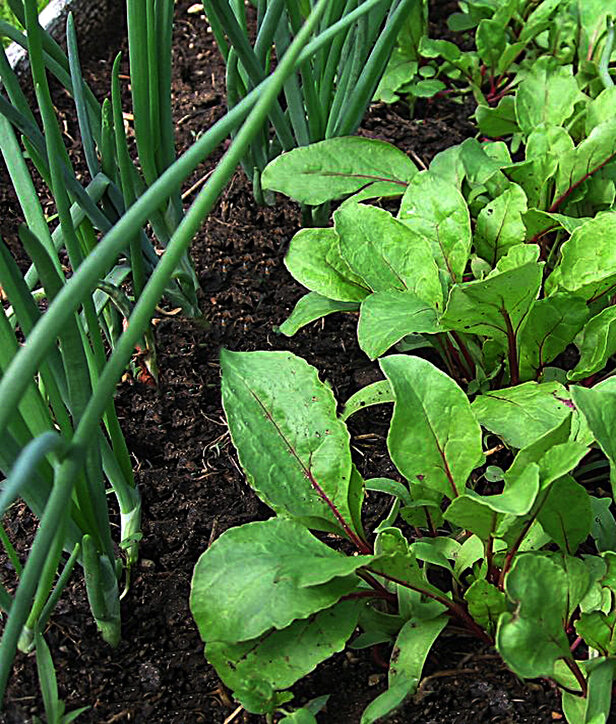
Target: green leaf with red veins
{"x": 499, "y": 224}
{"x": 337, "y": 167}
{"x": 549, "y": 327}
{"x": 385, "y": 254}
{"x": 521, "y": 415}
{"x": 584, "y": 161}
{"x": 292, "y": 446}
{"x": 547, "y": 95}
{"x": 435, "y": 209}
{"x": 434, "y": 437}
{"x": 496, "y": 306}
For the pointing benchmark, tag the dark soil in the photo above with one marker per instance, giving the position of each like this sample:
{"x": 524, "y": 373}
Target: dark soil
{"x": 186, "y": 467}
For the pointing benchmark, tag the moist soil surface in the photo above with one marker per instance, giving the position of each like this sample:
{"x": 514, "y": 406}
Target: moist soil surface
{"x": 186, "y": 467}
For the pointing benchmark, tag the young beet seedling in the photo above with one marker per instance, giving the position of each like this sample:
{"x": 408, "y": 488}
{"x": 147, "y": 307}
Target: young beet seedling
{"x": 527, "y": 569}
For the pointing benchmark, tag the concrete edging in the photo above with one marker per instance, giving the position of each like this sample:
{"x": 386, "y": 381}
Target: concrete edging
{"x": 89, "y": 15}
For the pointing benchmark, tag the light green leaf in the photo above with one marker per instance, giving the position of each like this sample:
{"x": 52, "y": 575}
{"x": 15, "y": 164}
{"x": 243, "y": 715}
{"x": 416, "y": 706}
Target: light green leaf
{"x": 595, "y": 708}
{"x": 386, "y": 317}
{"x": 593, "y": 153}
{"x": 375, "y": 394}
{"x": 491, "y": 42}
{"x": 314, "y": 260}
{"x": 533, "y": 639}
{"x": 538, "y": 221}
{"x": 408, "y": 657}
{"x": 265, "y": 575}
{"x": 539, "y": 19}
{"x": 522, "y": 414}
{"x": 566, "y": 515}
{"x": 553, "y": 451}
{"x": 449, "y": 166}
{"x": 518, "y": 255}
{"x": 386, "y": 254}
{"x": 254, "y": 670}
{"x": 597, "y": 343}
{"x": 499, "y": 121}
{"x": 601, "y": 108}
{"x": 300, "y": 716}
{"x": 395, "y": 560}
{"x": 496, "y": 306}
{"x": 310, "y": 307}
{"x": 292, "y": 446}
{"x": 481, "y": 514}
{"x": 547, "y": 95}
{"x": 435, "y": 209}
{"x": 598, "y": 406}
{"x": 434, "y": 437}
{"x": 549, "y": 327}
{"x": 337, "y": 167}
{"x": 499, "y": 224}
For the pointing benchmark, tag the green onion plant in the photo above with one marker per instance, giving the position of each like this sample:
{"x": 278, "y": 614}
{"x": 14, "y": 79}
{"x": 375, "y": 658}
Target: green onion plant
{"x": 328, "y": 94}
{"x": 64, "y": 450}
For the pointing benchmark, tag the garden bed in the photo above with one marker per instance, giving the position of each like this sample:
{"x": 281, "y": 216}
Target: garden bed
{"x": 192, "y": 487}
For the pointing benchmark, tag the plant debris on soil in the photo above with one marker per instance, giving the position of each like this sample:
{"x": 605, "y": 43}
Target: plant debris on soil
{"x": 186, "y": 468}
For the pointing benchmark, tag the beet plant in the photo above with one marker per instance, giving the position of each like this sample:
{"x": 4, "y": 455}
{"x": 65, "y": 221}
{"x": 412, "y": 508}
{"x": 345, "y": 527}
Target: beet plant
{"x": 497, "y": 265}
{"x": 508, "y": 39}
{"x": 528, "y": 569}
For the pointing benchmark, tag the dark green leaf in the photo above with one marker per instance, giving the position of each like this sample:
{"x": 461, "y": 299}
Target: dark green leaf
{"x": 254, "y": 670}
{"x": 485, "y": 604}
{"x": 566, "y": 515}
{"x": 598, "y": 630}
{"x": 533, "y": 639}
{"x": 549, "y": 327}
